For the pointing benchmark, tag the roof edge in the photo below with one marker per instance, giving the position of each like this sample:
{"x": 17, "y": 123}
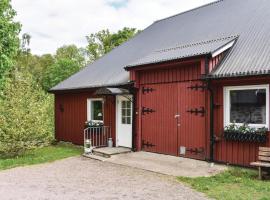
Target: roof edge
{"x": 89, "y": 87}
{"x": 187, "y": 11}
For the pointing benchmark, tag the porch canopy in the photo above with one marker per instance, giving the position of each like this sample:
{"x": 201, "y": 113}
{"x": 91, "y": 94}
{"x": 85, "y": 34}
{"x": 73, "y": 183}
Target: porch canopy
{"x": 111, "y": 91}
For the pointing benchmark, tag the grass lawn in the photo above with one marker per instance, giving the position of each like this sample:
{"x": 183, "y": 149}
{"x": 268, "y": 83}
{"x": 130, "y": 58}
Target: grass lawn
{"x": 42, "y": 155}
{"x": 236, "y": 183}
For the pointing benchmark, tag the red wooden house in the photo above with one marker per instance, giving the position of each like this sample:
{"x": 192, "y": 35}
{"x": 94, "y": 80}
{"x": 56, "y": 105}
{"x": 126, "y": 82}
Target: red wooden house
{"x": 174, "y": 87}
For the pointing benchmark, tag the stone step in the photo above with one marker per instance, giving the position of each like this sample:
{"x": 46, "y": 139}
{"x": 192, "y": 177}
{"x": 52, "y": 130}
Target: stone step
{"x": 95, "y": 157}
{"x": 107, "y": 152}
{"x": 101, "y": 154}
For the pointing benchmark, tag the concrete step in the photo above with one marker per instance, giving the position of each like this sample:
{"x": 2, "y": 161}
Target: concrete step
{"x": 107, "y": 152}
{"x": 101, "y": 154}
{"x": 95, "y": 157}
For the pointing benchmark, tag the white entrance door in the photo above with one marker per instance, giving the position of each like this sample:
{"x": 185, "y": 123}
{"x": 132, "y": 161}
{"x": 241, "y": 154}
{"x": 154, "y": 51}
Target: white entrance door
{"x": 124, "y": 121}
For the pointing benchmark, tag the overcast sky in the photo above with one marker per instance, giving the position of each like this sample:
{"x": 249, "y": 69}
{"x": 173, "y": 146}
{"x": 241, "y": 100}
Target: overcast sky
{"x": 53, "y": 23}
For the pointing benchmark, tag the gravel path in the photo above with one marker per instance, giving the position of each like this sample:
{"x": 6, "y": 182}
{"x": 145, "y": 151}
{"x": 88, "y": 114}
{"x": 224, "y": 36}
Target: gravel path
{"x": 82, "y": 178}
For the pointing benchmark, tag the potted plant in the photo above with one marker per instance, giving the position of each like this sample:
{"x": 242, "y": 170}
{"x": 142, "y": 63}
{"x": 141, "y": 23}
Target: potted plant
{"x": 245, "y": 133}
{"x": 92, "y": 123}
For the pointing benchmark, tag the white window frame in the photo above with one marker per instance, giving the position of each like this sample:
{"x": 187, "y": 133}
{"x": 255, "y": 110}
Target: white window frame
{"x": 89, "y": 116}
{"x": 227, "y": 103}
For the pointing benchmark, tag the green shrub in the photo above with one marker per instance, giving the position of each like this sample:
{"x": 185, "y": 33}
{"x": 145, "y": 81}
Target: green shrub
{"x": 26, "y": 115}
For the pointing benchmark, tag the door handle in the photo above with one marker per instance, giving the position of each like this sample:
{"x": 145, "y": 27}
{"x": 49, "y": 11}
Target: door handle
{"x": 176, "y": 116}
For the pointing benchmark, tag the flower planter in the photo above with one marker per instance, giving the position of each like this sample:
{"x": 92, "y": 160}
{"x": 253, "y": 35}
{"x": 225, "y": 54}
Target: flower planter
{"x": 245, "y": 137}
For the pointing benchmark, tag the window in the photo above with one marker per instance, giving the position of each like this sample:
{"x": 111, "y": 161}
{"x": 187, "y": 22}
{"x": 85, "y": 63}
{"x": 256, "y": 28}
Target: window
{"x": 126, "y": 112}
{"x": 95, "y": 109}
{"x": 247, "y": 104}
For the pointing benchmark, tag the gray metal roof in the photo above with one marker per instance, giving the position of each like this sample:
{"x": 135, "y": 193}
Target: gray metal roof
{"x": 250, "y": 55}
{"x": 184, "y": 51}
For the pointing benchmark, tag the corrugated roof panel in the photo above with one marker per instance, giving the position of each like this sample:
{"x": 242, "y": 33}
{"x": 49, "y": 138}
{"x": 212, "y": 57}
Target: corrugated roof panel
{"x": 250, "y": 54}
{"x": 184, "y": 51}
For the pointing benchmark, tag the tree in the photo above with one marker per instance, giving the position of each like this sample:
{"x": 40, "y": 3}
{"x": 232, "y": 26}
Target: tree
{"x": 68, "y": 60}
{"x": 59, "y": 71}
{"x": 9, "y": 40}
{"x": 103, "y": 41}
{"x": 36, "y": 65}
{"x": 71, "y": 52}
{"x": 26, "y": 115}
{"x": 25, "y": 42}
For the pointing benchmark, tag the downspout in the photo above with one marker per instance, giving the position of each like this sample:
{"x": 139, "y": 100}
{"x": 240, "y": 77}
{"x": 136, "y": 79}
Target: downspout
{"x": 211, "y": 113}
{"x": 133, "y": 91}
{"x": 212, "y": 136}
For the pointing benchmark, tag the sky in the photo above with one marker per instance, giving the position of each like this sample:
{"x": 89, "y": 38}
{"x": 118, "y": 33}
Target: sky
{"x": 54, "y": 23}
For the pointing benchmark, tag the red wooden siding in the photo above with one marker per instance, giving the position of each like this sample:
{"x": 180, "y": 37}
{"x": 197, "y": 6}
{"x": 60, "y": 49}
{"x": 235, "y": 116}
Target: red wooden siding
{"x": 160, "y": 127}
{"x": 176, "y": 74}
{"x": 215, "y": 61}
{"x": 191, "y": 132}
{"x": 69, "y": 123}
{"x": 239, "y": 153}
{"x": 171, "y": 96}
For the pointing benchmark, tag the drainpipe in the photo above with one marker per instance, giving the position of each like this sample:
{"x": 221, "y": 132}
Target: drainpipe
{"x": 212, "y": 105}
{"x": 212, "y": 136}
{"x": 133, "y": 91}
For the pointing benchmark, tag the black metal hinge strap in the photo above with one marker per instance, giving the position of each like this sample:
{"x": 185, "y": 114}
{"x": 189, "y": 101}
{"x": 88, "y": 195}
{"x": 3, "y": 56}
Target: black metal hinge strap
{"x": 197, "y": 111}
{"x": 147, "y": 90}
{"x": 199, "y": 150}
{"x": 147, "y": 144}
{"x": 147, "y": 110}
{"x": 197, "y": 87}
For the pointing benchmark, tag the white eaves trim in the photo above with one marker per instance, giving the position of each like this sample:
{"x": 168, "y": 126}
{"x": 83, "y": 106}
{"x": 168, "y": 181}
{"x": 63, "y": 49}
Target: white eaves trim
{"x": 222, "y": 49}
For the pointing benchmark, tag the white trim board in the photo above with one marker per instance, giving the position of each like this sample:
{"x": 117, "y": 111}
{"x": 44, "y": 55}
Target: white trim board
{"x": 226, "y": 103}
{"x": 222, "y": 49}
{"x": 89, "y": 100}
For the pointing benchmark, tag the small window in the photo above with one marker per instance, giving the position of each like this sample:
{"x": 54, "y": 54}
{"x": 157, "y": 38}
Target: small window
{"x": 126, "y": 112}
{"x": 246, "y": 104}
{"x": 95, "y": 109}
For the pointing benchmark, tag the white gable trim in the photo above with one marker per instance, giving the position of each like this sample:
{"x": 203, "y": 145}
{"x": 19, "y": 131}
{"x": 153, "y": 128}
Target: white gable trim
{"x": 222, "y": 49}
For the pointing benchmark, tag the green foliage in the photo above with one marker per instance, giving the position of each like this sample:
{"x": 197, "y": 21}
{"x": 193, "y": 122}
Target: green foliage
{"x": 41, "y": 155}
{"x": 36, "y": 65}
{"x": 26, "y": 115}
{"x": 71, "y": 52}
{"x": 236, "y": 183}
{"x": 103, "y": 41}
{"x": 9, "y": 41}
{"x": 59, "y": 71}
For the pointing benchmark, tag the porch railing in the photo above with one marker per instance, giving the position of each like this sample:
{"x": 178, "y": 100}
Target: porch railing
{"x": 97, "y": 136}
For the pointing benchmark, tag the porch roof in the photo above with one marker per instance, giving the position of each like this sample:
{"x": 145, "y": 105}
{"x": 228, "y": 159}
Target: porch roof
{"x": 111, "y": 91}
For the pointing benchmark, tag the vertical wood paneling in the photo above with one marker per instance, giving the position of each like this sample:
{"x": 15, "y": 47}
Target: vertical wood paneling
{"x": 69, "y": 124}
{"x": 191, "y": 132}
{"x": 170, "y": 93}
{"x": 183, "y": 73}
{"x": 159, "y": 128}
{"x": 238, "y": 153}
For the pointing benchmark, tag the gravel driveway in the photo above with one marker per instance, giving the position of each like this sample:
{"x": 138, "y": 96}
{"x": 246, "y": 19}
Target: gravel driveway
{"x": 82, "y": 178}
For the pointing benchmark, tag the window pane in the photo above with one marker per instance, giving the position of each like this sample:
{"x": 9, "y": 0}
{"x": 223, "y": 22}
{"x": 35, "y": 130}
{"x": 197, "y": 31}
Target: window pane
{"x": 128, "y": 120}
{"x": 248, "y": 106}
{"x": 123, "y": 104}
{"x": 128, "y": 104}
{"x": 128, "y": 112}
{"x": 123, "y": 112}
{"x": 96, "y": 110}
{"x": 123, "y": 120}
